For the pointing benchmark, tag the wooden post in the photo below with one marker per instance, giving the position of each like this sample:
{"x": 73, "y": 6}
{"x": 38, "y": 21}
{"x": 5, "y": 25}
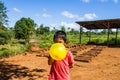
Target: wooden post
{"x": 90, "y": 35}
{"x": 108, "y": 34}
{"x": 116, "y": 36}
{"x": 108, "y": 27}
{"x": 80, "y": 34}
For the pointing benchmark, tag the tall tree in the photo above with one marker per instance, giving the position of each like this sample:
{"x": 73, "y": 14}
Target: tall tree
{"x": 3, "y": 15}
{"x": 63, "y": 28}
{"x": 24, "y": 28}
{"x": 43, "y": 29}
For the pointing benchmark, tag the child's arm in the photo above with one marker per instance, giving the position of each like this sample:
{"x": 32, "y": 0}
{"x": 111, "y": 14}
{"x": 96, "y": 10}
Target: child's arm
{"x": 50, "y": 60}
{"x": 71, "y": 60}
{"x": 71, "y": 65}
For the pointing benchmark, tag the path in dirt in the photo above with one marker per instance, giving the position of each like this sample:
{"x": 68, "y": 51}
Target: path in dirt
{"x": 31, "y": 66}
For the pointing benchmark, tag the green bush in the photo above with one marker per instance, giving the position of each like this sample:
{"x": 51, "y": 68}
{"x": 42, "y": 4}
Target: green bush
{"x": 1, "y": 53}
{"x": 3, "y": 41}
{"x": 45, "y": 45}
{"x": 8, "y": 50}
{"x": 5, "y": 36}
{"x": 5, "y": 52}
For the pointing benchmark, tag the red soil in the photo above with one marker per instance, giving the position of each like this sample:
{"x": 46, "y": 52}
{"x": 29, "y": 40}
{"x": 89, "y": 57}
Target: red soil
{"x": 33, "y": 65}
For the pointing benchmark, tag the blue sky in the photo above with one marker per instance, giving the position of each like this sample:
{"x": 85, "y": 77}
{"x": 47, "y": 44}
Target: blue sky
{"x": 57, "y": 13}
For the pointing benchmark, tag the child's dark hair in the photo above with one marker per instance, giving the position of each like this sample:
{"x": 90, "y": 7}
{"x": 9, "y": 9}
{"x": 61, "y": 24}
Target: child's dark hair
{"x": 61, "y": 34}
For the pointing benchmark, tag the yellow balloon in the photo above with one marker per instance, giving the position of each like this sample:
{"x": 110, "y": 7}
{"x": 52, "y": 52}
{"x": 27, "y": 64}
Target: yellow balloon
{"x": 58, "y": 51}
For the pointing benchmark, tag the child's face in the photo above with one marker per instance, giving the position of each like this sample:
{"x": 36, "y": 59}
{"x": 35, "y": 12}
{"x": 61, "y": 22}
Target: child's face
{"x": 59, "y": 40}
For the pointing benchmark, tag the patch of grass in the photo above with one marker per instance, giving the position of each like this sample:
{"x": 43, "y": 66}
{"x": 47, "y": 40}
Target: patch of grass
{"x": 10, "y": 50}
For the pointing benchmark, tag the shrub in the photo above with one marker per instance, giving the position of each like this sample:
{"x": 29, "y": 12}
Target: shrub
{"x": 5, "y": 36}
{"x": 8, "y": 50}
{"x": 3, "y": 41}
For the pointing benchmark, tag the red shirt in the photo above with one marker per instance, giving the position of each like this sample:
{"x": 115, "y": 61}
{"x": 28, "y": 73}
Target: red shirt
{"x": 60, "y": 69}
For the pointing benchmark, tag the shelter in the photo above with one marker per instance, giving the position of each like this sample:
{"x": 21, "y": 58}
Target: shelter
{"x": 101, "y": 24}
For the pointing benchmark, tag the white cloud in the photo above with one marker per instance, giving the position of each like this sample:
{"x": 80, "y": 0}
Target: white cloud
{"x": 88, "y": 16}
{"x": 116, "y": 1}
{"x": 46, "y": 15}
{"x": 68, "y": 14}
{"x": 86, "y": 1}
{"x": 53, "y": 25}
{"x": 66, "y": 25}
{"x": 16, "y": 10}
{"x": 70, "y": 25}
{"x": 43, "y": 15}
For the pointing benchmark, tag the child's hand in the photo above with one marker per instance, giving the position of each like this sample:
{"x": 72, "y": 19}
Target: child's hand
{"x": 50, "y": 60}
{"x": 71, "y": 65}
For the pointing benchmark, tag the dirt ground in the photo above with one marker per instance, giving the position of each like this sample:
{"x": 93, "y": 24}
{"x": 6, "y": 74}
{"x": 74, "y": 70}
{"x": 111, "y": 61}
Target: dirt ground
{"x": 33, "y": 65}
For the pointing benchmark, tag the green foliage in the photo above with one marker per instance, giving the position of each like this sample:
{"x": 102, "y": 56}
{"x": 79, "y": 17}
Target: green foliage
{"x": 3, "y": 15}
{"x": 45, "y": 40}
{"x": 24, "y": 28}
{"x": 73, "y": 31}
{"x": 3, "y": 28}
{"x": 11, "y": 34}
{"x": 5, "y": 36}
{"x": 10, "y": 50}
{"x": 104, "y": 31}
{"x": 45, "y": 45}
{"x": 63, "y": 28}
{"x": 3, "y": 41}
{"x": 6, "y": 52}
{"x": 72, "y": 38}
{"x": 42, "y": 30}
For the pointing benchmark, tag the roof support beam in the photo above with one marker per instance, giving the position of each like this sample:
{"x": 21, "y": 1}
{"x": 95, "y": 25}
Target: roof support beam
{"x": 80, "y": 34}
{"x": 90, "y": 36}
{"x": 116, "y": 36}
{"x": 108, "y": 33}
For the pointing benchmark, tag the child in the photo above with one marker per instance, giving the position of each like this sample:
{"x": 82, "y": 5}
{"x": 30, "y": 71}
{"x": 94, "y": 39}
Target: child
{"x": 60, "y": 68}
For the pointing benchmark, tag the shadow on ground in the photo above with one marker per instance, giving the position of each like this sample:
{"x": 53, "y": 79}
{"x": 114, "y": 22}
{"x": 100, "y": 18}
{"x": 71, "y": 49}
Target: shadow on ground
{"x": 9, "y": 71}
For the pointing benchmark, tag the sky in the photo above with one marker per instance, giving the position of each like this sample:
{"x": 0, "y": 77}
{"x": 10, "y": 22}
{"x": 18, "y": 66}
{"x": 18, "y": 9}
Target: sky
{"x": 57, "y": 13}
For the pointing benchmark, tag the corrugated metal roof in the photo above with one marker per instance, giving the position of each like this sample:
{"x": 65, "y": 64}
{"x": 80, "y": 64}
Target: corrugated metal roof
{"x": 100, "y": 24}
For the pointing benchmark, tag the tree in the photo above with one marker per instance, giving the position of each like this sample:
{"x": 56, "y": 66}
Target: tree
{"x": 3, "y": 15}
{"x": 24, "y": 28}
{"x": 73, "y": 31}
{"x": 42, "y": 29}
{"x": 3, "y": 28}
{"x": 81, "y": 29}
{"x": 104, "y": 31}
{"x": 63, "y": 28}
